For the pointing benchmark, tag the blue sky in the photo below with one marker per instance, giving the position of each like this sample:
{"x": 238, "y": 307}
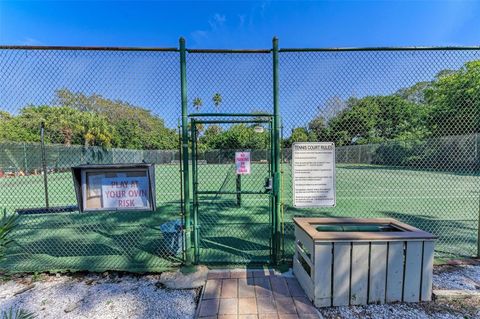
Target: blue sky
{"x": 247, "y": 24}
{"x": 310, "y": 83}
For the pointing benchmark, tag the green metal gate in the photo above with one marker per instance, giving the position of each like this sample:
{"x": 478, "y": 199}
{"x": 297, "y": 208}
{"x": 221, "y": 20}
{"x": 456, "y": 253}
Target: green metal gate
{"x": 233, "y": 215}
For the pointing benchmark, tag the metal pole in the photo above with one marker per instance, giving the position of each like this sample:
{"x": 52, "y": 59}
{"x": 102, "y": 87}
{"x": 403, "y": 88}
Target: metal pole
{"x": 478, "y": 231}
{"x": 193, "y": 134}
{"x": 282, "y": 185}
{"x": 478, "y": 226}
{"x": 186, "y": 175}
{"x": 25, "y": 163}
{"x": 182, "y": 210}
{"x": 259, "y": 114}
{"x": 239, "y": 190}
{"x": 44, "y": 162}
{"x": 276, "y": 141}
{"x": 272, "y": 199}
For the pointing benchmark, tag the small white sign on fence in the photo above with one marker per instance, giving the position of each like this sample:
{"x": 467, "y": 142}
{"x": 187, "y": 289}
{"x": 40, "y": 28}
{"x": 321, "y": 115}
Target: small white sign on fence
{"x": 242, "y": 163}
{"x": 313, "y": 166}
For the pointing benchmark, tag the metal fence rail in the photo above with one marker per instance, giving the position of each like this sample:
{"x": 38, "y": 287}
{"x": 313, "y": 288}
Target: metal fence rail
{"x": 405, "y": 121}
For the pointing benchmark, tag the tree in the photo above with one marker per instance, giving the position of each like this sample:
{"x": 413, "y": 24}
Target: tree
{"x": 217, "y": 100}
{"x": 455, "y": 101}
{"x": 213, "y": 130}
{"x": 239, "y": 136}
{"x": 415, "y": 93}
{"x": 63, "y": 126}
{"x": 317, "y": 129}
{"x": 7, "y": 226}
{"x": 332, "y": 107}
{"x": 374, "y": 119}
{"x": 299, "y": 134}
{"x": 90, "y": 121}
{"x": 213, "y": 137}
{"x": 12, "y": 130}
{"x": 197, "y": 103}
{"x": 148, "y": 130}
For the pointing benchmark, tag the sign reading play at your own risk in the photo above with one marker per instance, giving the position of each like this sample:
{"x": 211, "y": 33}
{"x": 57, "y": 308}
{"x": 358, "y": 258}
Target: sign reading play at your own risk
{"x": 125, "y": 192}
{"x": 313, "y": 166}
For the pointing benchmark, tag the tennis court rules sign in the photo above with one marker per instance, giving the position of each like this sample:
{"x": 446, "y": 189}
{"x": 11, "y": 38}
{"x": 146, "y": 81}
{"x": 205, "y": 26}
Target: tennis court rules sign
{"x": 313, "y": 166}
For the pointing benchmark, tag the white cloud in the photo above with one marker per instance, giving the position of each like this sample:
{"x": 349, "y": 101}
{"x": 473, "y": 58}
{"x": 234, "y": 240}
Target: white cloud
{"x": 241, "y": 18}
{"x": 217, "y": 25}
{"x": 31, "y": 41}
{"x": 217, "y": 21}
{"x": 199, "y": 35}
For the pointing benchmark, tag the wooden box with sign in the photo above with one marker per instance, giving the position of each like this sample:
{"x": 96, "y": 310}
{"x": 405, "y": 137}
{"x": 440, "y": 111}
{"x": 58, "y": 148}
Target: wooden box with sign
{"x": 115, "y": 187}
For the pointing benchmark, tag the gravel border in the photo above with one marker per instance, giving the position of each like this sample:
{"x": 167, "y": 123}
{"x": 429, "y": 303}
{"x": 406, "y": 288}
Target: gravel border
{"x": 458, "y": 276}
{"x": 115, "y": 295}
{"x": 98, "y": 296}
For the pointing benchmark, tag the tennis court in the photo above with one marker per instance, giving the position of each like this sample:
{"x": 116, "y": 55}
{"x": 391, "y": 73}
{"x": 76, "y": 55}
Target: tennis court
{"x": 443, "y": 203}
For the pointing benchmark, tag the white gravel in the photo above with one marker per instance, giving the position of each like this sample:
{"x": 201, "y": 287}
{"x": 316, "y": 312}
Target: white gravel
{"x": 110, "y": 296}
{"x": 95, "y": 296}
{"x": 398, "y": 311}
{"x": 458, "y": 277}
{"x": 463, "y": 277}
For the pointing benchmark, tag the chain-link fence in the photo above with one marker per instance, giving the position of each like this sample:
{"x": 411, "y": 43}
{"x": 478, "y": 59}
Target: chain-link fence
{"x": 405, "y": 123}
{"x": 99, "y": 107}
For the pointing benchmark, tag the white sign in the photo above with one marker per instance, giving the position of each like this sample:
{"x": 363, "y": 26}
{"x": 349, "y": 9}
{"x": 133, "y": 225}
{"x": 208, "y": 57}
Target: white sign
{"x": 313, "y": 166}
{"x": 242, "y": 162}
{"x": 125, "y": 192}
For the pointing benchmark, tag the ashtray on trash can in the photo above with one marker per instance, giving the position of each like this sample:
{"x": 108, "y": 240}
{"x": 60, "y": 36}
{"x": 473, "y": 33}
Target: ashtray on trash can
{"x": 172, "y": 237}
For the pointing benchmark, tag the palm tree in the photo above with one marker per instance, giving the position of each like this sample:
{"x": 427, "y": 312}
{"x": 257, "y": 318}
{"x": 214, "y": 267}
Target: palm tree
{"x": 17, "y": 314}
{"x": 197, "y": 103}
{"x": 217, "y": 99}
{"x": 7, "y": 225}
{"x": 200, "y": 127}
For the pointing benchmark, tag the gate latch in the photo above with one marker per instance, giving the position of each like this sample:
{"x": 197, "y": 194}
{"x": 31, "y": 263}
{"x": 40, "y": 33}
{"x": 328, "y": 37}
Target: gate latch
{"x": 268, "y": 185}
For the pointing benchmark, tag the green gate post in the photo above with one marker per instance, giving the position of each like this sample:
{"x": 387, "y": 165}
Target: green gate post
{"x": 193, "y": 134}
{"x": 276, "y": 172}
{"x": 186, "y": 175}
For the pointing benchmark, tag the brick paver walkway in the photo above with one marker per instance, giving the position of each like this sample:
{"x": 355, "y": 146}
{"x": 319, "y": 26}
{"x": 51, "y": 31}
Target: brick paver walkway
{"x": 248, "y": 294}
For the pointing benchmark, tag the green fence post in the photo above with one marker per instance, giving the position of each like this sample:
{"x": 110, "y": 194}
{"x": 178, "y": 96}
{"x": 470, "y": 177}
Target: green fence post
{"x": 44, "y": 163}
{"x": 186, "y": 175}
{"x": 276, "y": 166}
{"x": 477, "y": 142}
{"x": 193, "y": 134}
{"x": 25, "y": 163}
{"x": 478, "y": 231}
{"x": 272, "y": 199}
{"x": 478, "y": 234}
{"x": 239, "y": 190}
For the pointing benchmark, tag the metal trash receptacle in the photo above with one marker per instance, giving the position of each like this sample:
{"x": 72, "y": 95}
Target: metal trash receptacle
{"x": 172, "y": 237}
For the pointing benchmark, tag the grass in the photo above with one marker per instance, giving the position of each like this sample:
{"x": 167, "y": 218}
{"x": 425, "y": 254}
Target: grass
{"x": 445, "y": 204}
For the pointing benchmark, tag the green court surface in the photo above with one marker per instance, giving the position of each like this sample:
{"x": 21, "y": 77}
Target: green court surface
{"x": 446, "y": 204}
